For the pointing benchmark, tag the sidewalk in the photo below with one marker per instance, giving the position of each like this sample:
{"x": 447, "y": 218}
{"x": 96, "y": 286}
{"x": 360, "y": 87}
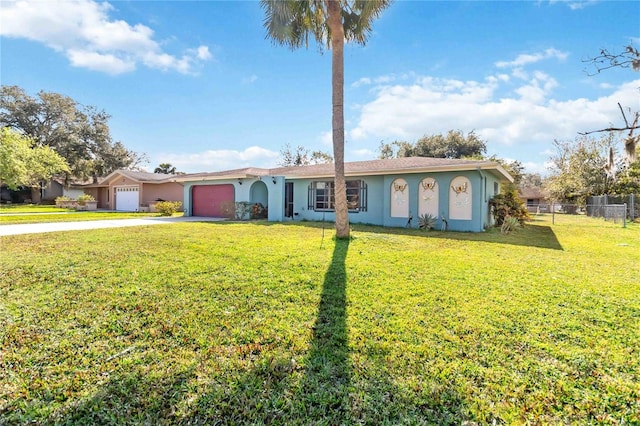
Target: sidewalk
{"x": 39, "y": 228}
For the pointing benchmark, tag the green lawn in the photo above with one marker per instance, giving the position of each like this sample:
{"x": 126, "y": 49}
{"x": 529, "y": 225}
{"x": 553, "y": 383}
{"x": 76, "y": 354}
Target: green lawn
{"x": 254, "y": 323}
{"x": 71, "y": 216}
{"x": 30, "y": 208}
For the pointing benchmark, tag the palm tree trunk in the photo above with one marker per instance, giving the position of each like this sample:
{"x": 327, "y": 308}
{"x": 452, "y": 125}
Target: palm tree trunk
{"x": 334, "y": 21}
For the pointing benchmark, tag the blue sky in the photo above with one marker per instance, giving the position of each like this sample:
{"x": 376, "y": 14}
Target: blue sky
{"x": 196, "y": 84}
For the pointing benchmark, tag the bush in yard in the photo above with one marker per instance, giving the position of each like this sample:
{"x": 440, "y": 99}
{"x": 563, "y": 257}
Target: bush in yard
{"x": 168, "y": 208}
{"x": 228, "y": 209}
{"x": 506, "y": 205}
{"x": 65, "y": 202}
{"x": 258, "y": 211}
{"x": 427, "y": 221}
{"x": 242, "y": 209}
{"x": 82, "y": 199}
{"x": 509, "y": 224}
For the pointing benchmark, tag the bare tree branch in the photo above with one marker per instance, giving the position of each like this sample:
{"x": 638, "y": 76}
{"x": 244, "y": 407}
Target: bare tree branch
{"x": 629, "y": 58}
{"x": 611, "y": 129}
{"x": 623, "y": 116}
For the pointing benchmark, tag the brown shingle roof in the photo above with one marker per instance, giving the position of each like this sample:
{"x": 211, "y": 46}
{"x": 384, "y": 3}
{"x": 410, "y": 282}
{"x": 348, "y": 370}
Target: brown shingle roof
{"x": 145, "y": 176}
{"x": 234, "y": 173}
{"x": 388, "y": 166}
{"x": 532, "y": 193}
{"x": 356, "y": 168}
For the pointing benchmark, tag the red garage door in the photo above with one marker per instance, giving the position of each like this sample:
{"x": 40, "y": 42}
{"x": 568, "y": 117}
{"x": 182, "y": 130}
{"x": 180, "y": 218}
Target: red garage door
{"x": 207, "y": 199}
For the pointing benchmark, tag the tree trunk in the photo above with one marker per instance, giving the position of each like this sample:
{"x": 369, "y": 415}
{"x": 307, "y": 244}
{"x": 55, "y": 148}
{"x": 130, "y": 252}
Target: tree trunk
{"x": 334, "y": 22}
{"x": 36, "y": 196}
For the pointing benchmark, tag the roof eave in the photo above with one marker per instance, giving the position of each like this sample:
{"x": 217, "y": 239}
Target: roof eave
{"x": 197, "y": 177}
{"x": 230, "y": 176}
{"x": 504, "y": 172}
{"x": 90, "y": 185}
{"x": 428, "y": 169}
{"x": 111, "y": 176}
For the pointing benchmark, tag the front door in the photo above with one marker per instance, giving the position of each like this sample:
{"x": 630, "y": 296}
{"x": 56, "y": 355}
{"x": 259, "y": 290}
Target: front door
{"x": 288, "y": 199}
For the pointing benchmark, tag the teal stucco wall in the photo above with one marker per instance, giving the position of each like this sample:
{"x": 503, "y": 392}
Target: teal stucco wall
{"x": 379, "y": 194}
{"x": 483, "y": 185}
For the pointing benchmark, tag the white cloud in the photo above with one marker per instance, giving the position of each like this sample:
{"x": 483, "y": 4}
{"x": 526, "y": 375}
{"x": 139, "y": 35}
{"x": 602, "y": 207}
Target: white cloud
{"x": 531, "y": 58}
{"x": 223, "y": 159}
{"x": 326, "y": 138}
{"x": 403, "y": 112}
{"x": 251, "y": 79}
{"x": 381, "y": 79}
{"x": 362, "y": 154}
{"x": 384, "y": 79}
{"x": 100, "y": 62}
{"x": 537, "y": 89}
{"x": 364, "y": 81}
{"x": 202, "y": 52}
{"x": 575, "y": 4}
{"x": 528, "y": 116}
{"x": 85, "y": 33}
{"x": 532, "y": 167}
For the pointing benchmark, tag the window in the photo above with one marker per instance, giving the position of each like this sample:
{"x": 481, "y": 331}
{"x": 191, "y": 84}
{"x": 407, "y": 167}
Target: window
{"x": 322, "y": 196}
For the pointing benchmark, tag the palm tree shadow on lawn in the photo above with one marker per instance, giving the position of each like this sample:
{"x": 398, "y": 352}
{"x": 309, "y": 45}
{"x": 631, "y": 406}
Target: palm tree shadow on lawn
{"x": 324, "y": 389}
{"x": 128, "y": 397}
{"x": 327, "y": 390}
{"x": 273, "y": 390}
{"x": 532, "y": 235}
{"x": 277, "y": 391}
{"x": 327, "y": 378}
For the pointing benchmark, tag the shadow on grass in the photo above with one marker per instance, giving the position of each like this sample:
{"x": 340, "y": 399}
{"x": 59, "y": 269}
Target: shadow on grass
{"x": 538, "y": 236}
{"x": 531, "y": 235}
{"x": 324, "y": 387}
{"x": 127, "y": 398}
{"x": 250, "y": 387}
{"x": 279, "y": 391}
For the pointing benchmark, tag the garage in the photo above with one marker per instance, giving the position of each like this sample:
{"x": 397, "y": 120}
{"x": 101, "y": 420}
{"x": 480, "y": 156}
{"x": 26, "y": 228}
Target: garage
{"x": 207, "y": 200}
{"x": 127, "y": 198}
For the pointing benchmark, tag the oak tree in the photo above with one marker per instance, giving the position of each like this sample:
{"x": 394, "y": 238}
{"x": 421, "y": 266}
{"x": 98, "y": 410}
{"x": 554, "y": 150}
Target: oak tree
{"x": 80, "y": 134}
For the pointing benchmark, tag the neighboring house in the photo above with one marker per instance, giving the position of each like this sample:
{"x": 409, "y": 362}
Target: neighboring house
{"x": 534, "y": 199}
{"x": 21, "y": 195}
{"x": 47, "y": 192}
{"x": 392, "y": 192}
{"x": 73, "y": 191}
{"x": 127, "y": 190}
{"x": 52, "y": 190}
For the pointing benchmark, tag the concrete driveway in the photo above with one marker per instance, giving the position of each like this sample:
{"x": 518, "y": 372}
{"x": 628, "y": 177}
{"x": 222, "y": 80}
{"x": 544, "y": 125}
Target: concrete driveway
{"x": 39, "y": 228}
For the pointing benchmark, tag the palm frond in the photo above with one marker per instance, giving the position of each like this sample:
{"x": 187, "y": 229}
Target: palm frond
{"x": 293, "y": 22}
{"x": 358, "y": 17}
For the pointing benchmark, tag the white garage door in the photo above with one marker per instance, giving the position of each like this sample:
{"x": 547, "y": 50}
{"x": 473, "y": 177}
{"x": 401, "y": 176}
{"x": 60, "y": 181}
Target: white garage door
{"x": 127, "y": 199}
